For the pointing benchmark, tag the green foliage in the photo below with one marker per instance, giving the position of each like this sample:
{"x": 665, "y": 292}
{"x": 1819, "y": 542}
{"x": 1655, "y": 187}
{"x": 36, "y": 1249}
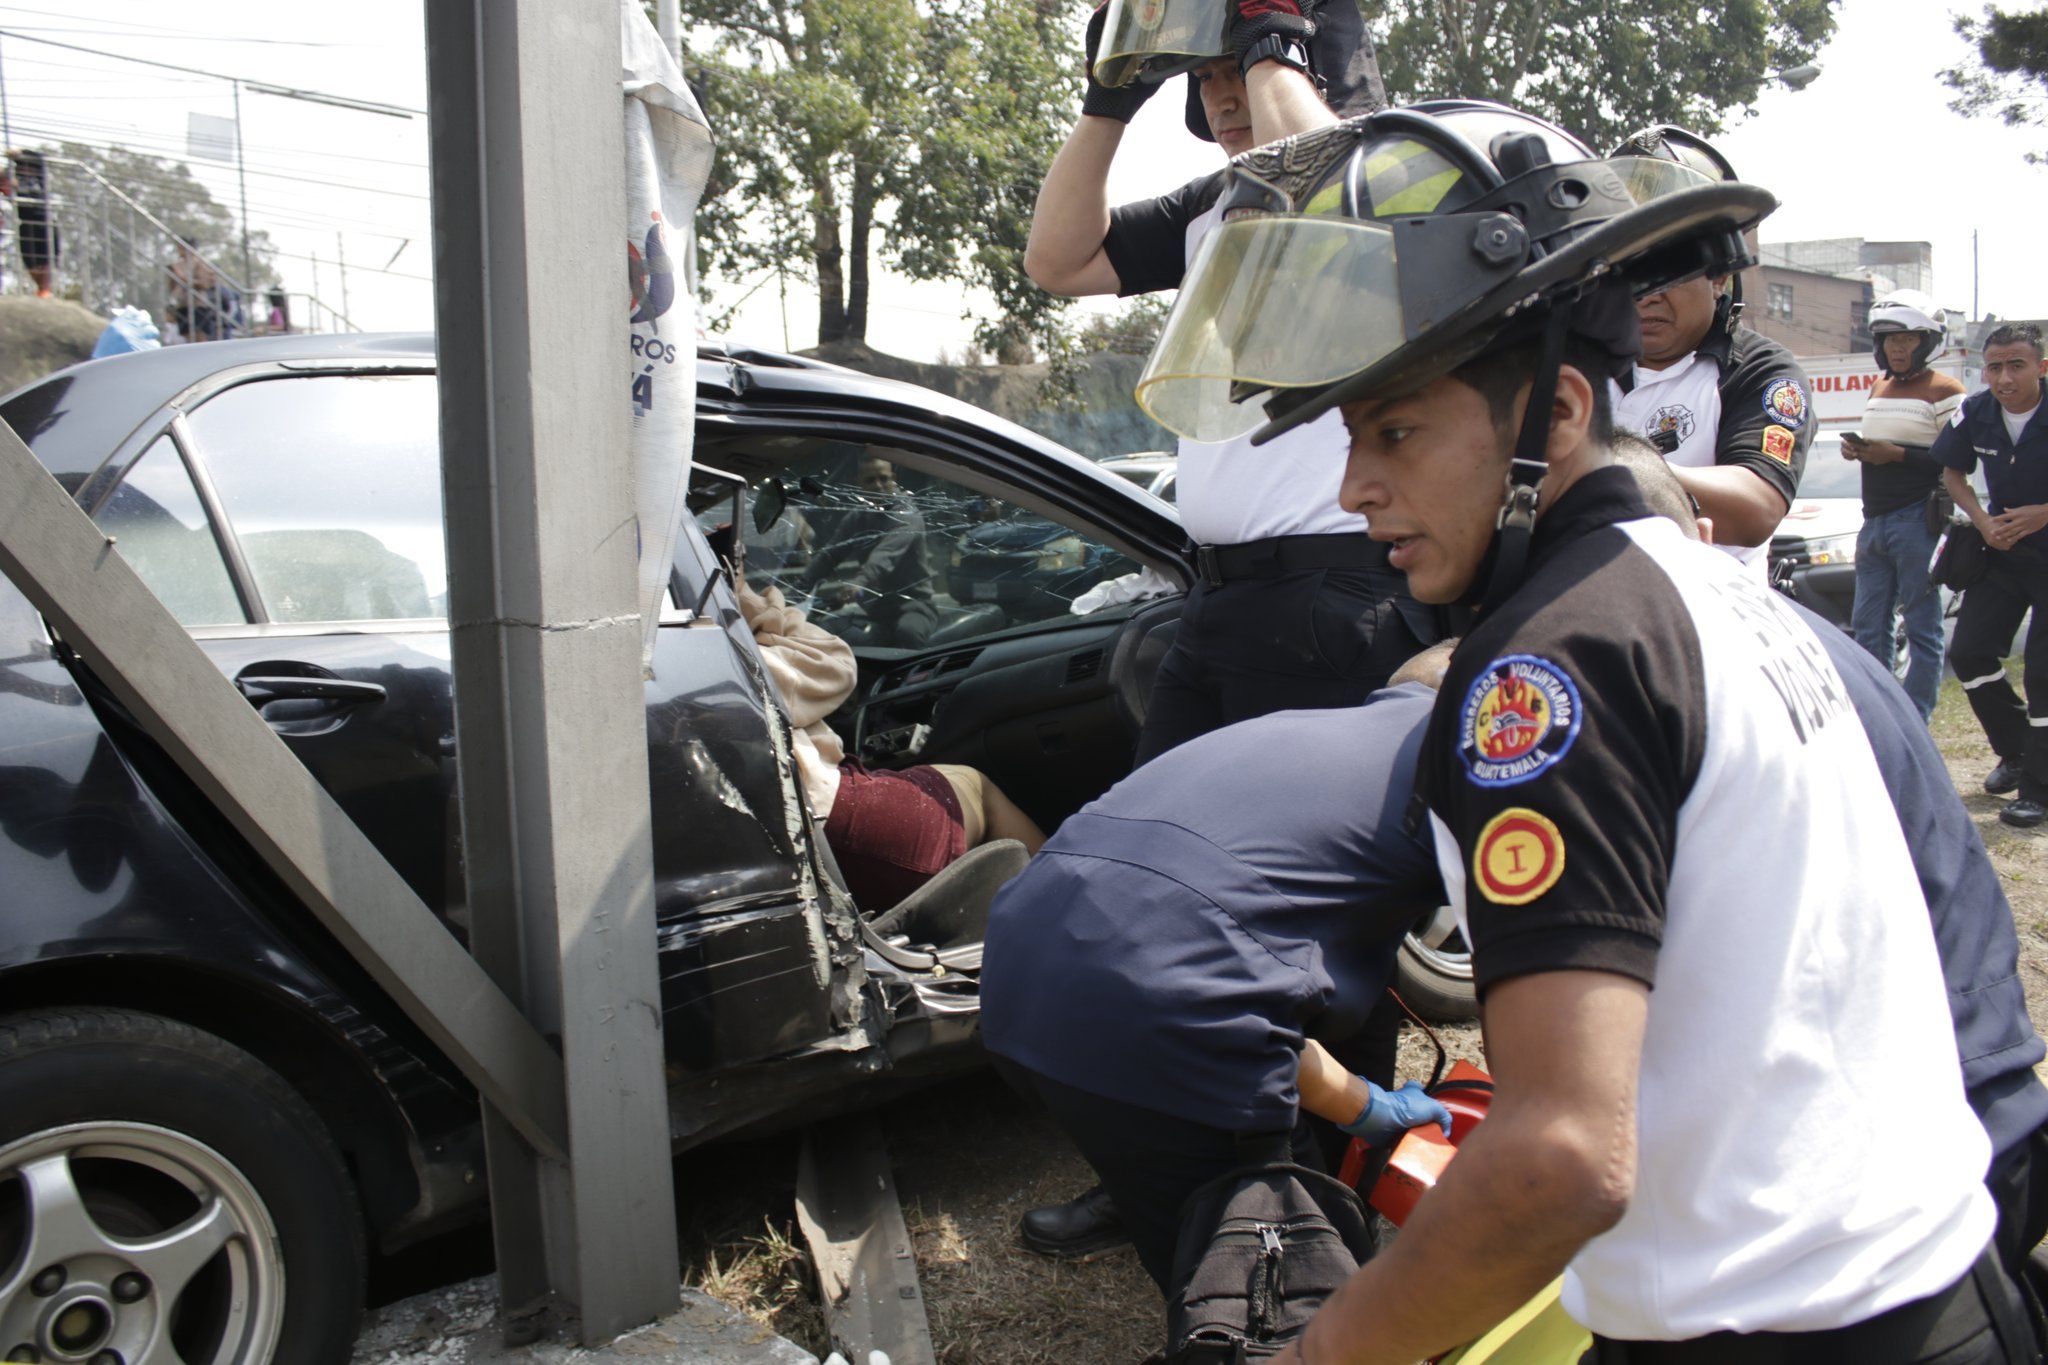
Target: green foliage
{"x": 916, "y": 129}
{"x": 1133, "y": 329}
{"x": 1600, "y": 68}
{"x": 168, "y": 191}
{"x": 2008, "y": 75}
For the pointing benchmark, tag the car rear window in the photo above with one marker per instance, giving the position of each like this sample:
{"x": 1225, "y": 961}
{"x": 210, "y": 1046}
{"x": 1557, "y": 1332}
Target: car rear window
{"x": 332, "y": 484}
{"x": 160, "y": 528}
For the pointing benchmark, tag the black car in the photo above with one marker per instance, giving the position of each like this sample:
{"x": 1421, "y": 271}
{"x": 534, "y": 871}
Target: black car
{"x": 207, "y": 1109}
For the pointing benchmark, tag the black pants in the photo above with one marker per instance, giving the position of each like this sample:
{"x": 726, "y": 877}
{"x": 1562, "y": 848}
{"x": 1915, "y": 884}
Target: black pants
{"x": 1148, "y": 1161}
{"x": 1985, "y": 627}
{"x": 1309, "y": 640}
{"x": 1975, "y": 1321}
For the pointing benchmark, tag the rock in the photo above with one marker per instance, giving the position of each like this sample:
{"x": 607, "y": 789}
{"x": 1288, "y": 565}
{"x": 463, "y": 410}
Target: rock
{"x": 38, "y": 336}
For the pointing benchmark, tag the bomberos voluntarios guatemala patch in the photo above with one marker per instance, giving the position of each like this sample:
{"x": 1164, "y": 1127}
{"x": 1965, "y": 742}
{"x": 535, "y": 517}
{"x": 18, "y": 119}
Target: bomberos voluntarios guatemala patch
{"x": 1520, "y": 718}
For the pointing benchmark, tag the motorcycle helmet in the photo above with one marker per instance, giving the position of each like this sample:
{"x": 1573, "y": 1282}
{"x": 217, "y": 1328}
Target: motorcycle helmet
{"x": 1369, "y": 258}
{"x": 1156, "y": 40}
{"x": 1907, "y": 310}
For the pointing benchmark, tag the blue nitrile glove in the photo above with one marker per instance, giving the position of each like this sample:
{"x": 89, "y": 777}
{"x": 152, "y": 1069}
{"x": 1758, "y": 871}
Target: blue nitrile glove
{"x": 1122, "y": 103}
{"x": 1390, "y": 1113}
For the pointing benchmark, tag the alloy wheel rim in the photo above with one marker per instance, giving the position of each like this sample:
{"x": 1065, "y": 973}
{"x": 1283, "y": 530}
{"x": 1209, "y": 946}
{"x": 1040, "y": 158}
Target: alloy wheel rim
{"x": 1438, "y": 944}
{"x": 133, "y": 1244}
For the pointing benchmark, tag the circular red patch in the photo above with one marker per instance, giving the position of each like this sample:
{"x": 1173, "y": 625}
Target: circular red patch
{"x": 1520, "y": 855}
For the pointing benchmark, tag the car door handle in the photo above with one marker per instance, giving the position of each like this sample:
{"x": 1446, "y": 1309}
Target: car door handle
{"x": 345, "y": 691}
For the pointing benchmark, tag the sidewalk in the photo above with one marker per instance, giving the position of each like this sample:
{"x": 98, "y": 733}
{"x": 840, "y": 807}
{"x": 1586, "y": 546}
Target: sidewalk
{"x": 456, "y": 1326}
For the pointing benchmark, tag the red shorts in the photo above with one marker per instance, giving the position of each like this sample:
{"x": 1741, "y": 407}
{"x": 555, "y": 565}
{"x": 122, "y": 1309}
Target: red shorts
{"x": 891, "y": 832}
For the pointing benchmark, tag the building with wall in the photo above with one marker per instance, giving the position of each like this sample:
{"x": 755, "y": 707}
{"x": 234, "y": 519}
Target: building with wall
{"x": 1814, "y": 297}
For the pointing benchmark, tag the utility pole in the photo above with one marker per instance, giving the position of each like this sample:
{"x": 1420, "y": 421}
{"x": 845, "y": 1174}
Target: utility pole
{"x": 529, "y": 188}
{"x": 1975, "y": 311}
{"x": 341, "y": 263}
{"x": 242, "y": 174}
{"x": 6, "y": 128}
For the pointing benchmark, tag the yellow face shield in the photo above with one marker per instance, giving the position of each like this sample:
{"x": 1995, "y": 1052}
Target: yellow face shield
{"x": 1283, "y": 297}
{"x": 1159, "y": 38}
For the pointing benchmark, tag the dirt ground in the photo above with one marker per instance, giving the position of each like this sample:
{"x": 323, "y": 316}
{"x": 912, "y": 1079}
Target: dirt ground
{"x": 971, "y": 1158}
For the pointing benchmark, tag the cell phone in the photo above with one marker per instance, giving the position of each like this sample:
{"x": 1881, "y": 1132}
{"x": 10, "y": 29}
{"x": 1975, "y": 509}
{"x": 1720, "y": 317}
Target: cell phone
{"x": 1855, "y": 436}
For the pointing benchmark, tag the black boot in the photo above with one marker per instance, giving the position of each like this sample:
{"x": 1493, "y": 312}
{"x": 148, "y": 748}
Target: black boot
{"x": 1078, "y": 1230}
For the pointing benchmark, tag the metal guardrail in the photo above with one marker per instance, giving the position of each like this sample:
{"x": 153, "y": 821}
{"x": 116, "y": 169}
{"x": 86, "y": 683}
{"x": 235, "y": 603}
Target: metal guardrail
{"x": 113, "y": 252}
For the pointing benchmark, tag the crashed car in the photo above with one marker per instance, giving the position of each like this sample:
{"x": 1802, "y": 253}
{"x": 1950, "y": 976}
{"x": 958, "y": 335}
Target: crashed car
{"x": 205, "y": 1092}
{"x": 207, "y": 1110}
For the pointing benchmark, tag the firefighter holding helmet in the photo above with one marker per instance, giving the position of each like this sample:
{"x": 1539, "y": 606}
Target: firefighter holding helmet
{"x": 1718, "y": 1167}
{"x": 1296, "y": 607}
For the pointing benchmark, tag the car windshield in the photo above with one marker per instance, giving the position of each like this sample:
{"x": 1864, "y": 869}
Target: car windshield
{"x": 1828, "y": 475}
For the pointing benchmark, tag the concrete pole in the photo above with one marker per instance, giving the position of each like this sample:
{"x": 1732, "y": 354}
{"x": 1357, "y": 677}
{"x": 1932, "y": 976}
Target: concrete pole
{"x": 528, "y": 165}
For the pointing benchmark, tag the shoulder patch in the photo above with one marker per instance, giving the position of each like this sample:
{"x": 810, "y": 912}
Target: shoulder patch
{"x": 1520, "y": 717}
{"x": 1519, "y": 856}
{"x": 1778, "y": 444}
{"x": 1785, "y": 403}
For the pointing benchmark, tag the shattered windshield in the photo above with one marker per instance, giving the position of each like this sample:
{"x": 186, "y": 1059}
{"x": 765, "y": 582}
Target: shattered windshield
{"x": 883, "y": 554}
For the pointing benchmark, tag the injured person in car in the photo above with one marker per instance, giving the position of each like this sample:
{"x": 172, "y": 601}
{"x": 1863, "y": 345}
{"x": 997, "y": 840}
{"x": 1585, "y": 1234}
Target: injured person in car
{"x": 890, "y": 831}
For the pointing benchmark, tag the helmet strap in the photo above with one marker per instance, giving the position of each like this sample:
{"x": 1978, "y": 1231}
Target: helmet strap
{"x": 1521, "y": 495}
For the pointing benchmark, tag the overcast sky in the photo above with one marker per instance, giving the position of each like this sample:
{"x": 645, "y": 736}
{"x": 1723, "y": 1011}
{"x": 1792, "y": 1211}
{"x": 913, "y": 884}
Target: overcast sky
{"x": 1869, "y": 150}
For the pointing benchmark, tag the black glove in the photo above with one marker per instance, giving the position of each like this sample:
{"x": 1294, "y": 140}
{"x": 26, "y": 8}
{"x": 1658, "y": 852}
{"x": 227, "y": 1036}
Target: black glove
{"x": 1122, "y": 103}
{"x": 1257, "y": 20}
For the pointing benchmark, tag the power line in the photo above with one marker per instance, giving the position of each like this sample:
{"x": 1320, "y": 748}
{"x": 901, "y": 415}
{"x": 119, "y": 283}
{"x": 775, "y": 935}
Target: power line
{"x": 261, "y": 87}
{"x": 262, "y": 151}
{"x": 44, "y": 130}
{"x": 163, "y": 31}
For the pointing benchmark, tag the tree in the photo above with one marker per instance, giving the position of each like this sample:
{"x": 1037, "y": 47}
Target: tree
{"x": 916, "y": 128}
{"x": 2008, "y": 76}
{"x": 170, "y": 193}
{"x": 1132, "y": 329}
{"x": 1598, "y": 68}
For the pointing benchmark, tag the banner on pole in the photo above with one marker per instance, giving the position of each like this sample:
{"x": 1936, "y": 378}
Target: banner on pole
{"x": 668, "y": 159}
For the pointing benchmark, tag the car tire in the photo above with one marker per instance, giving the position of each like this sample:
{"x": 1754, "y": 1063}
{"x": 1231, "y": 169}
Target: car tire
{"x": 1433, "y": 971}
{"x": 154, "y": 1180}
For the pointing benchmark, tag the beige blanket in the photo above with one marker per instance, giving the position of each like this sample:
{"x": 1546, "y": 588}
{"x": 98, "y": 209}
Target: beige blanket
{"x": 814, "y": 673}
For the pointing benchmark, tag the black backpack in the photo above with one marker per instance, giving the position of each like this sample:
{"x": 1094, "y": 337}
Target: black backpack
{"x": 1259, "y": 1252}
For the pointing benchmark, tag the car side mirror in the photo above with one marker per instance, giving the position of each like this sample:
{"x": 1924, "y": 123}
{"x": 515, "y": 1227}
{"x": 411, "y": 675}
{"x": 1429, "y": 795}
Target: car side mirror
{"x": 771, "y": 500}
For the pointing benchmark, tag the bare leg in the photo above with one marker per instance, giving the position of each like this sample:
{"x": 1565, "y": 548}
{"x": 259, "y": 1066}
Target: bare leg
{"x": 986, "y": 813}
{"x": 41, "y": 275}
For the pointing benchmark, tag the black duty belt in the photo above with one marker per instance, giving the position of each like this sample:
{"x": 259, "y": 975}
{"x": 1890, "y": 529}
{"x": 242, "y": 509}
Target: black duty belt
{"x": 1911, "y": 1332}
{"x": 1220, "y": 564}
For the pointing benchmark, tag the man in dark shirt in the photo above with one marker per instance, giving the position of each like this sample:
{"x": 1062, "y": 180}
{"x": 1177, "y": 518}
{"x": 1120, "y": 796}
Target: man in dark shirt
{"x": 893, "y": 582}
{"x": 2003, "y": 428}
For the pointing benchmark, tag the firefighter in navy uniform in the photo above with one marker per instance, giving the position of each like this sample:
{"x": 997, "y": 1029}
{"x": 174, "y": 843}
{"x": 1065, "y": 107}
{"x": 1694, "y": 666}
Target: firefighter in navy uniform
{"x": 1643, "y": 768}
{"x": 1729, "y": 407}
{"x": 1295, "y": 606}
{"x": 2003, "y": 427}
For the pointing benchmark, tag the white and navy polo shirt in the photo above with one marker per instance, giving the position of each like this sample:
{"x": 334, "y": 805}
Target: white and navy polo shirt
{"x": 1740, "y": 400}
{"x": 1227, "y": 492}
{"x": 1645, "y": 763}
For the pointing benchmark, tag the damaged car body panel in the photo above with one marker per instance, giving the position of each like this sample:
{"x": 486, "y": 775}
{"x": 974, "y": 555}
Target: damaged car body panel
{"x": 318, "y": 558}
